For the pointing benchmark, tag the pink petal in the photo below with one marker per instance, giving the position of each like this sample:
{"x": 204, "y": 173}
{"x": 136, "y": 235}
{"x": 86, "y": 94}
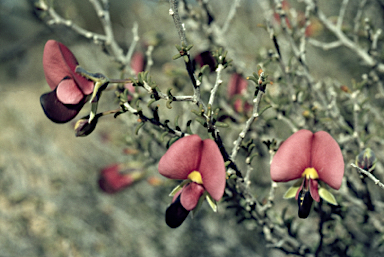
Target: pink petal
{"x": 292, "y": 157}
{"x": 56, "y": 66}
{"x": 327, "y": 159}
{"x": 236, "y": 85}
{"x": 314, "y": 189}
{"x": 182, "y": 158}
{"x": 137, "y": 62}
{"x": 71, "y": 63}
{"x": 212, "y": 169}
{"x": 68, "y": 92}
{"x": 111, "y": 181}
{"x": 59, "y": 62}
{"x": 190, "y": 195}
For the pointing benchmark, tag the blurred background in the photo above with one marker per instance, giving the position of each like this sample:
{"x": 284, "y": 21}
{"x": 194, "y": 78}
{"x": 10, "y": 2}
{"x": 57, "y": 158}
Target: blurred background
{"x": 50, "y": 202}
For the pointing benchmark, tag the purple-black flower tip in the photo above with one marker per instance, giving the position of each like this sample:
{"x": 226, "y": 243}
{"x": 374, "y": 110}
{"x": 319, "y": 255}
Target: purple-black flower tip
{"x": 175, "y": 214}
{"x": 205, "y": 58}
{"x": 56, "y": 111}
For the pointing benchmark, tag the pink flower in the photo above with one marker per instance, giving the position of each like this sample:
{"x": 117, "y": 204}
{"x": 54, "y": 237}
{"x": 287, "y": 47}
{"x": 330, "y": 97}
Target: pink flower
{"x": 314, "y": 157}
{"x": 237, "y": 86}
{"x": 137, "y": 65}
{"x": 69, "y": 89}
{"x": 201, "y": 164}
{"x": 114, "y": 178}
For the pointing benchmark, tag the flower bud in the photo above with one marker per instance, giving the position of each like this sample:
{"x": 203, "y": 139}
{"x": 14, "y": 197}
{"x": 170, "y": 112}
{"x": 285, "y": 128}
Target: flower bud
{"x": 84, "y": 128}
{"x": 112, "y": 179}
{"x": 366, "y": 160}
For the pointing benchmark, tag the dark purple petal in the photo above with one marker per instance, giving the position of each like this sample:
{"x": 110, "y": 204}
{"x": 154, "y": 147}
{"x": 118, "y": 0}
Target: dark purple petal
{"x": 175, "y": 214}
{"x": 327, "y": 159}
{"x": 305, "y": 203}
{"x": 212, "y": 169}
{"x": 182, "y": 158}
{"x": 292, "y": 157}
{"x": 190, "y": 195}
{"x": 205, "y": 58}
{"x": 56, "y": 111}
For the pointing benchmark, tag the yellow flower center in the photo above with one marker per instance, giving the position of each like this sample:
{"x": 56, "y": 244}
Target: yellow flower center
{"x": 195, "y": 176}
{"x": 310, "y": 173}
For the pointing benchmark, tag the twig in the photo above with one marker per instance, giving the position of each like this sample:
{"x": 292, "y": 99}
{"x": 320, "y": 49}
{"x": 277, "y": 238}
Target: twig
{"x": 356, "y": 21}
{"x": 369, "y": 175}
{"x": 174, "y": 12}
{"x": 323, "y": 45}
{"x": 110, "y": 42}
{"x": 249, "y": 122}
{"x": 132, "y": 47}
{"x": 368, "y": 59}
{"x": 218, "y": 82}
{"x": 231, "y": 14}
{"x": 340, "y": 18}
{"x": 153, "y": 121}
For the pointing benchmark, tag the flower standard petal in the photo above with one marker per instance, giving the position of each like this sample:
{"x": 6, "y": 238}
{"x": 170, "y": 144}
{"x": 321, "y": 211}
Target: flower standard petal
{"x": 68, "y": 92}
{"x": 182, "y": 158}
{"x": 212, "y": 169}
{"x": 190, "y": 195}
{"x": 292, "y": 157}
{"x": 55, "y": 65}
{"x": 327, "y": 159}
{"x": 59, "y": 62}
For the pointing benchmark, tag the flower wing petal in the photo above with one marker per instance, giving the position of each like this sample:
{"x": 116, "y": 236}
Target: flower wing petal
{"x": 68, "y": 92}
{"x": 327, "y": 159}
{"x": 314, "y": 189}
{"x": 56, "y": 111}
{"x": 292, "y": 157}
{"x": 212, "y": 169}
{"x": 181, "y": 158}
{"x": 190, "y": 195}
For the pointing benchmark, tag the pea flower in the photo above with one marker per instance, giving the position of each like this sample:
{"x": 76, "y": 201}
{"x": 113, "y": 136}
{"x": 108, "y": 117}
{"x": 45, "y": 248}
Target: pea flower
{"x": 201, "y": 165}
{"x": 315, "y": 159}
{"x": 237, "y": 87}
{"x": 116, "y": 177}
{"x": 69, "y": 89}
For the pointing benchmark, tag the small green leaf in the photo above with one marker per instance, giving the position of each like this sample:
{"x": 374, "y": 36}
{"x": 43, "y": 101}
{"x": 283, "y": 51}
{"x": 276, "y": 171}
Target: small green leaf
{"x": 141, "y": 124}
{"x": 179, "y": 187}
{"x": 176, "y": 56}
{"x": 327, "y": 196}
{"x": 291, "y": 192}
{"x": 212, "y": 203}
